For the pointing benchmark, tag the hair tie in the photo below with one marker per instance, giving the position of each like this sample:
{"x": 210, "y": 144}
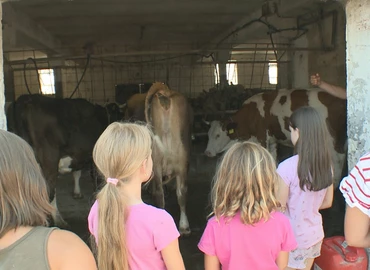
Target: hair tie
{"x": 113, "y": 181}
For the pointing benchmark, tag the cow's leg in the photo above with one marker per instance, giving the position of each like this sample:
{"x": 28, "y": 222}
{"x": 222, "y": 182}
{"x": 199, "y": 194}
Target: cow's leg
{"x": 157, "y": 187}
{"x": 57, "y": 217}
{"x": 271, "y": 146}
{"x": 181, "y": 192}
{"x": 49, "y": 160}
{"x": 77, "y": 190}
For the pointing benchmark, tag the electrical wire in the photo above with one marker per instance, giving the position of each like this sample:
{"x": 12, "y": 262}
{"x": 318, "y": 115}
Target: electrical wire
{"x": 273, "y": 46}
{"x": 271, "y": 29}
{"x": 82, "y": 76}
{"x": 25, "y": 77}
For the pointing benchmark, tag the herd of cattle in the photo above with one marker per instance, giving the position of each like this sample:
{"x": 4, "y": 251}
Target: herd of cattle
{"x": 63, "y": 132}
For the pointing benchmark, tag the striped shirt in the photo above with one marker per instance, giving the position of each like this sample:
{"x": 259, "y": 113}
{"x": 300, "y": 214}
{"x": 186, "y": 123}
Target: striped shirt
{"x": 356, "y": 186}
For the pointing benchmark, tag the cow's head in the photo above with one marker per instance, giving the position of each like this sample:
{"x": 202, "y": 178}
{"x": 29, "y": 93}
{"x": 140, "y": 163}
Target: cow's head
{"x": 114, "y": 112}
{"x": 218, "y": 137}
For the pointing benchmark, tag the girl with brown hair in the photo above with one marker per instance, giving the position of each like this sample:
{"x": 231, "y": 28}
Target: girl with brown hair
{"x": 307, "y": 184}
{"x": 25, "y": 242}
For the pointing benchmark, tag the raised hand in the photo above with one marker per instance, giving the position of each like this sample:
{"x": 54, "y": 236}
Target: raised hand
{"x": 315, "y": 79}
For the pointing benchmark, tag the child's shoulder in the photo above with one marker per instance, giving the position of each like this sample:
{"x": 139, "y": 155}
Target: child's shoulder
{"x": 150, "y": 212}
{"x": 280, "y": 219}
{"x": 365, "y": 159}
{"x": 287, "y": 163}
{"x": 290, "y": 160}
{"x": 276, "y": 215}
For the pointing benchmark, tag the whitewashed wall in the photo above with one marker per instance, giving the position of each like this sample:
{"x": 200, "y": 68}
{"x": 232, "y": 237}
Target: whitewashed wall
{"x": 331, "y": 65}
{"x": 358, "y": 79}
{"x": 2, "y": 88}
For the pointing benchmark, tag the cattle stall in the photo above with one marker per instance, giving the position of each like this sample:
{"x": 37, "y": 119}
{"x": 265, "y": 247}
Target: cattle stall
{"x": 216, "y": 55}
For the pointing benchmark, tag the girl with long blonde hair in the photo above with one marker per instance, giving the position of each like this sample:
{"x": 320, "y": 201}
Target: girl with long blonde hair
{"x": 246, "y": 231}
{"x": 128, "y": 233}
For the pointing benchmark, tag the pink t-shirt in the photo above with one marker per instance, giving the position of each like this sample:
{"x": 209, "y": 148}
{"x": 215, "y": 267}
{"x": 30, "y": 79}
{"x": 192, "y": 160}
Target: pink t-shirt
{"x": 148, "y": 231}
{"x": 240, "y": 246}
{"x": 302, "y": 206}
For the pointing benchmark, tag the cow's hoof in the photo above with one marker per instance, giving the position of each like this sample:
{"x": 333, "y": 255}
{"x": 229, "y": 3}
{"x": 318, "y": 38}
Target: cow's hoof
{"x": 185, "y": 232}
{"x": 77, "y": 196}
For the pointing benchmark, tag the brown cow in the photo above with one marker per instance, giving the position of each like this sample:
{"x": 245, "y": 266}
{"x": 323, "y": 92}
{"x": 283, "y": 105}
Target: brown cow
{"x": 135, "y": 108}
{"x": 171, "y": 117}
{"x": 264, "y": 118}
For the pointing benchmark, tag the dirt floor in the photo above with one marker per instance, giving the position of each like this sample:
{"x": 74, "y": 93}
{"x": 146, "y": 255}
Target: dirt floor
{"x": 199, "y": 182}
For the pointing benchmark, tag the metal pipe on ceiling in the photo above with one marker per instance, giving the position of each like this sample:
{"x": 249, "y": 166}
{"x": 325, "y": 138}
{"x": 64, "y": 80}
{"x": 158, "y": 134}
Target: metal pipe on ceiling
{"x": 180, "y": 53}
{"x": 172, "y": 64}
{"x": 230, "y": 45}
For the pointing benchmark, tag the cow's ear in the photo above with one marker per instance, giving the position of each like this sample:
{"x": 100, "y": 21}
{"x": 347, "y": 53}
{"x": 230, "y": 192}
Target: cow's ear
{"x": 231, "y": 127}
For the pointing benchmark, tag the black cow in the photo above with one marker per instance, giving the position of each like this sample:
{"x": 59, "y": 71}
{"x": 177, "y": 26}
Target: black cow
{"x": 56, "y": 129}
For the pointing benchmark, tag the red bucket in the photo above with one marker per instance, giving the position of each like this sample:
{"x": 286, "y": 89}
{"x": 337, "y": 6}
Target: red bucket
{"x": 337, "y": 255}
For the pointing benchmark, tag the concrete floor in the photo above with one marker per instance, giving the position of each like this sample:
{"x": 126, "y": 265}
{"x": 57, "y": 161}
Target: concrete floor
{"x": 199, "y": 182}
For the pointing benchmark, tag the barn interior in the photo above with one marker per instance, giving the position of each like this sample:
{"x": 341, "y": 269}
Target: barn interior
{"x": 101, "y": 50}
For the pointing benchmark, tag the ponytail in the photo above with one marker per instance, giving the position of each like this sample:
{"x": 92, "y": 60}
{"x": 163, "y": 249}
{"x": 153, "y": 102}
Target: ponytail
{"x": 112, "y": 252}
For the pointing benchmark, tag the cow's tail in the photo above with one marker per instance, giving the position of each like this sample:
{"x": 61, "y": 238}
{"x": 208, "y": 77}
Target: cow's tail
{"x": 158, "y": 143}
{"x": 156, "y": 88}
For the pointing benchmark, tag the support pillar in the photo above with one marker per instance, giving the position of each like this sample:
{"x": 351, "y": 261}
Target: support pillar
{"x": 284, "y": 74}
{"x": 358, "y": 79}
{"x": 9, "y": 84}
{"x": 58, "y": 83}
{"x": 299, "y": 65}
{"x": 2, "y": 88}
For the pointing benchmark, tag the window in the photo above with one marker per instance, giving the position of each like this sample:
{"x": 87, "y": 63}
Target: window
{"x": 231, "y": 73}
{"x": 47, "y": 81}
{"x": 273, "y": 73}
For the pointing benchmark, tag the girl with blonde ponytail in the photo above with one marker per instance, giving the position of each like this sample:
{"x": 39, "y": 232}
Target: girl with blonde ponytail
{"x": 128, "y": 233}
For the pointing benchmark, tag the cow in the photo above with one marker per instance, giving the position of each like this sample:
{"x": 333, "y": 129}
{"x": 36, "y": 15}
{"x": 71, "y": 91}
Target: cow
{"x": 170, "y": 115}
{"x": 62, "y": 133}
{"x": 264, "y": 118}
{"x": 135, "y": 108}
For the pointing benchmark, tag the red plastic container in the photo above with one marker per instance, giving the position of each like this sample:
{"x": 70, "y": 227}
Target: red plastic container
{"x": 337, "y": 255}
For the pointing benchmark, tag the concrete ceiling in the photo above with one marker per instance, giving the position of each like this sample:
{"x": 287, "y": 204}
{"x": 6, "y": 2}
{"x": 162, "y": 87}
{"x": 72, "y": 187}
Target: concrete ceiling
{"x": 65, "y": 26}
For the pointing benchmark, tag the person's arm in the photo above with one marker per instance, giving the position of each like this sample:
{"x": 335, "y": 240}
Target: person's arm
{"x": 334, "y": 90}
{"x": 356, "y": 191}
{"x": 282, "y": 260}
{"x": 66, "y": 251}
{"x": 172, "y": 257}
{"x": 356, "y": 227}
{"x": 328, "y": 199}
{"x": 211, "y": 262}
{"x": 283, "y": 195}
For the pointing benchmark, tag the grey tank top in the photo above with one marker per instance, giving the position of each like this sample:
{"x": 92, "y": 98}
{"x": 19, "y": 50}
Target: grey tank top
{"x": 28, "y": 253}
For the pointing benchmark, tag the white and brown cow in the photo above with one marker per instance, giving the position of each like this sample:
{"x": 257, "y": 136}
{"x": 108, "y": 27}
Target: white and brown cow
{"x": 170, "y": 115}
{"x": 264, "y": 118}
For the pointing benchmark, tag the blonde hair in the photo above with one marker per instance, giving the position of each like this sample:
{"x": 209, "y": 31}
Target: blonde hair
{"x": 118, "y": 153}
{"x": 24, "y": 199}
{"x": 246, "y": 181}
